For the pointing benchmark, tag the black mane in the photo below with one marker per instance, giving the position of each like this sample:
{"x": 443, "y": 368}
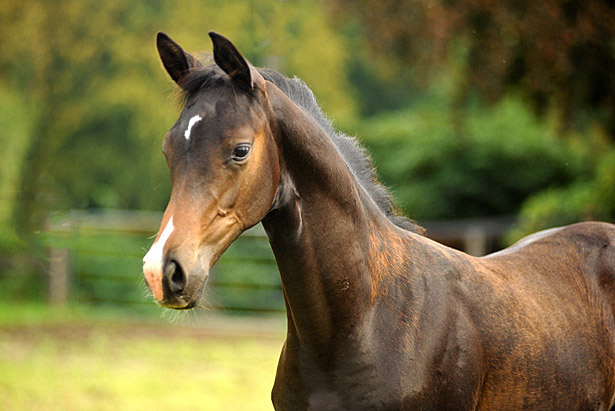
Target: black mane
{"x": 355, "y": 156}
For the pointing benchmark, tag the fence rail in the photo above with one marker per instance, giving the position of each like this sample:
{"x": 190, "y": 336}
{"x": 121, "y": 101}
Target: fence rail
{"x": 95, "y": 257}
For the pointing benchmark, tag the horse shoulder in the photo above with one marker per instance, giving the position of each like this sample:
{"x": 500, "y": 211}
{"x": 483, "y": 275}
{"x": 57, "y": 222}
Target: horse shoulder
{"x": 442, "y": 340}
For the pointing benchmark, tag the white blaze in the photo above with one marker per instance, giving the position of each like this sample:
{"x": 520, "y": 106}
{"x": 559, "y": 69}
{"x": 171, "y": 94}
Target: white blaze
{"x": 191, "y": 123}
{"x": 152, "y": 262}
{"x": 155, "y": 253}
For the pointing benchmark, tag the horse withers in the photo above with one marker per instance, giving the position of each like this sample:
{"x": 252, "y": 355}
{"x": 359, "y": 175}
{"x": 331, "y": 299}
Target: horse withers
{"x": 379, "y": 316}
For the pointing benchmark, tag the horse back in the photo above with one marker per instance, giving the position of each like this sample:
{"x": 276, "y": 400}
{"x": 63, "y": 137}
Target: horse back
{"x": 582, "y": 253}
{"x": 556, "y": 292}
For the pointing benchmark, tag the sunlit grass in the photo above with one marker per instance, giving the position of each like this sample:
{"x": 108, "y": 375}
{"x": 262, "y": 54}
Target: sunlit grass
{"x": 119, "y": 366}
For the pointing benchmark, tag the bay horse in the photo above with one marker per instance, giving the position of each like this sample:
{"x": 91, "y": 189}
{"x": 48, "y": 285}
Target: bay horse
{"x": 379, "y": 316}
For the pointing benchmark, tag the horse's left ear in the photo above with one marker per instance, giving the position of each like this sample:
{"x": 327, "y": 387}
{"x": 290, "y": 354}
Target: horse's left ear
{"x": 228, "y": 58}
{"x": 176, "y": 61}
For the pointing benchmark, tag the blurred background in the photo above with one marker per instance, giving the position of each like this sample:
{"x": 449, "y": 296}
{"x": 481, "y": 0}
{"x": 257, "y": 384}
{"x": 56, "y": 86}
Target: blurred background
{"x": 488, "y": 121}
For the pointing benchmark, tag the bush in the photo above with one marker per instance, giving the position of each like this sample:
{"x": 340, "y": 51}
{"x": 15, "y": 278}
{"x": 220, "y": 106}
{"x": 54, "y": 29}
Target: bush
{"x": 591, "y": 199}
{"x": 440, "y": 167}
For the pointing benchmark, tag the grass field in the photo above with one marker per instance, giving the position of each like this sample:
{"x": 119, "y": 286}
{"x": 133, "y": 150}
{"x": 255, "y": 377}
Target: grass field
{"x": 66, "y": 359}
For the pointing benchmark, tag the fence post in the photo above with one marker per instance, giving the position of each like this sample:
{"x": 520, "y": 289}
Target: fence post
{"x": 475, "y": 241}
{"x": 59, "y": 275}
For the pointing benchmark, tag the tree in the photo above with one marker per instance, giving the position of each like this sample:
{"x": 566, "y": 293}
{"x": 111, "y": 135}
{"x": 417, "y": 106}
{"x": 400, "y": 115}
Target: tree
{"x": 85, "y": 103}
{"x": 559, "y": 53}
{"x": 101, "y": 100}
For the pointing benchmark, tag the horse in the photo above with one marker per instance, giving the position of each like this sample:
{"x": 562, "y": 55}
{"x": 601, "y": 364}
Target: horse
{"x": 378, "y": 315}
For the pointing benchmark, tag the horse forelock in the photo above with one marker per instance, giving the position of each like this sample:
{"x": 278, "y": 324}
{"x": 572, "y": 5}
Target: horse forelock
{"x": 355, "y": 155}
{"x": 200, "y": 79}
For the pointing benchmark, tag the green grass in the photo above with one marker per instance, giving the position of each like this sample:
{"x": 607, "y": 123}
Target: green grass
{"x": 73, "y": 360}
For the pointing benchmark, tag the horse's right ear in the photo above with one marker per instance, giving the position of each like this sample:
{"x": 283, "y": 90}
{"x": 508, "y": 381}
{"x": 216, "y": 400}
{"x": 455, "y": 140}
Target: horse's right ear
{"x": 175, "y": 60}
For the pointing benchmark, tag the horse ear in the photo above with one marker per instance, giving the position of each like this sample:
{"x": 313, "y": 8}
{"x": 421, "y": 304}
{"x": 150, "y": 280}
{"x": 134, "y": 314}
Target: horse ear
{"x": 176, "y": 61}
{"x": 229, "y": 59}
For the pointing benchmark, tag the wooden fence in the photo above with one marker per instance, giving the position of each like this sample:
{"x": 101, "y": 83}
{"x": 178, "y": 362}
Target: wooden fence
{"x": 95, "y": 257}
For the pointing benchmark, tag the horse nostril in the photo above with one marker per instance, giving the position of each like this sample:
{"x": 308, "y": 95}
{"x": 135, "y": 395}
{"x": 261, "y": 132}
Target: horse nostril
{"x": 175, "y": 277}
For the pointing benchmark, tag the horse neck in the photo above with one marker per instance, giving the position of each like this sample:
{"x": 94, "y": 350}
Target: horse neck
{"x": 323, "y": 231}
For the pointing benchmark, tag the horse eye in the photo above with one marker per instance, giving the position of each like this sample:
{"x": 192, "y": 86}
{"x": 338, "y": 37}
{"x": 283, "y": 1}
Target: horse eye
{"x": 241, "y": 152}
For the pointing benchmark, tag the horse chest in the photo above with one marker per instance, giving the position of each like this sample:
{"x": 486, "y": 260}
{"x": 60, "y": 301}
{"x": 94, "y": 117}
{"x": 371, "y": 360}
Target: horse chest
{"x": 347, "y": 380}
{"x": 357, "y": 379}
{"x": 383, "y": 393}
{"x": 331, "y": 391}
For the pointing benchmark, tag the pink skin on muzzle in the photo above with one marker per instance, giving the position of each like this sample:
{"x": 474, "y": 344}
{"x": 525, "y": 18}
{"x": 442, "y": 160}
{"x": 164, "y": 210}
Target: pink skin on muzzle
{"x": 153, "y": 262}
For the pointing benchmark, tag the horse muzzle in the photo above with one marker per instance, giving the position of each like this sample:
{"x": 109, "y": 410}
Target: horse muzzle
{"x": 172, "y": 285}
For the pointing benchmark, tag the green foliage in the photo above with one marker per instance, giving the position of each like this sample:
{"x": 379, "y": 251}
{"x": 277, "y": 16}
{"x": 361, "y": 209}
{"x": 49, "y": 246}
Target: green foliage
{"x": 85, "y": 104}
{"x": 511, "y": 48}
{"x": 83, "y": 65}
{"x": 586, "y": 199}
{"x": 16, "y": 126}
{"x": 486, "y": 165}
{"x": 92, "y": 70}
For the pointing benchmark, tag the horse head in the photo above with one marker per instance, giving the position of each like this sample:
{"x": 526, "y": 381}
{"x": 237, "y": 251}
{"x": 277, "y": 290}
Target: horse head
{"x": 224, "y": 167}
